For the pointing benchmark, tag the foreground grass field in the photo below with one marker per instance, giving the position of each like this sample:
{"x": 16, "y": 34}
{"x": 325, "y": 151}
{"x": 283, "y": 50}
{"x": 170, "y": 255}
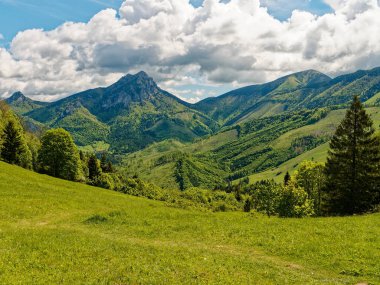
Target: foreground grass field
{"x": 57, "y": 232}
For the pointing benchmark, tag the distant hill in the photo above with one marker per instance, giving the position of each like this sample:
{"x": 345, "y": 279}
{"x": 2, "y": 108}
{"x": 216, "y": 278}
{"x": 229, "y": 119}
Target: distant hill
{"x": 264, "y": 148}
{"x": 259, "y": 100}
{"x": 22, "y": 104}
{"x": 309, "y": 89}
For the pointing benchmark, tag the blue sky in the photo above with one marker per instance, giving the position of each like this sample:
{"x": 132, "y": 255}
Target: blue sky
{"x": 18, "y": 15}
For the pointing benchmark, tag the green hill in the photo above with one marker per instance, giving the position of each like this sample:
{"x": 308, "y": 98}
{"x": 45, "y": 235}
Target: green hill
{"x": 59, "y": 232}
{"x": 244, "y": 133}
{"x": 259, "y": 100}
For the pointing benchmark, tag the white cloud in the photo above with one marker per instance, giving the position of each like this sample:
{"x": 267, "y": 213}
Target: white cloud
{"x": 351, "y": 8}
{"x": 236, "y": 43}
{"x": 1, "y": 37}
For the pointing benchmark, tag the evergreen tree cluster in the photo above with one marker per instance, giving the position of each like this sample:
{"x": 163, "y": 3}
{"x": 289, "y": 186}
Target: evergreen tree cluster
{"x": 99, "y": 172}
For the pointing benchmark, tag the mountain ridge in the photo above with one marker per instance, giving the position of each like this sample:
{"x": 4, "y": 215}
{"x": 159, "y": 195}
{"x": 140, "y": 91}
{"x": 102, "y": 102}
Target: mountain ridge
{"x": 135, "y": 112}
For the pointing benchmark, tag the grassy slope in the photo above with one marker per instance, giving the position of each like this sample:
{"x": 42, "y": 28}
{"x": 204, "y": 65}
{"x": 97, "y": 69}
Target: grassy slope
{"x": 318, "y": 154}
{"x": 58, "y": 232}
{"x": 144, "y": 162}
{"x": 324, "y": 126}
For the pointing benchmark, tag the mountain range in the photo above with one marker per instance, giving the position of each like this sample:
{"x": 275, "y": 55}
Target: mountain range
{"x": 134, "y": 112}
{"x": 243, "y": 133}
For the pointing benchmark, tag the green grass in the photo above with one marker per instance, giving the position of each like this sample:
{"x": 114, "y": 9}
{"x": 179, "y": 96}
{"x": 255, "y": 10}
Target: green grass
{"x": 58, "y": 232}
{"x": 318, "y": 154}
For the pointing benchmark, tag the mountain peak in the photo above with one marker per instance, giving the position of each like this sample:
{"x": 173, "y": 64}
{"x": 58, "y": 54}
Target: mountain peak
{"x": 312, "y": 76}
{"x": 137, "y": 88}
{"x": 139, "y": 80}
{"x": 17, "y": 96}
{"x": 300, "y": 79}
{"x": 141, "y": 76}
{"x": 22, "y": 104}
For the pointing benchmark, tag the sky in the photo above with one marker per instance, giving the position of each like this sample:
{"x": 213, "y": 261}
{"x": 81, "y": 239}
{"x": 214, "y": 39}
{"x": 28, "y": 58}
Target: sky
{"x": 52, "y": 49}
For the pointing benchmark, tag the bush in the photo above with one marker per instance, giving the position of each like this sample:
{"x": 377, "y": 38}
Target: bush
{"x": 294, "y": 202}
{"x": 104, "y": 180}
{"x": 266, "y": 197}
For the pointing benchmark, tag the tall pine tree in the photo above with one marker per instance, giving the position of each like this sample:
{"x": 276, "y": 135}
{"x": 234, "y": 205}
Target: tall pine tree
{"x": 12, "y": 145}
{"x": 353, "y": 164}
{"x": 14, "y": 149}
{"x": 94, "y": 169}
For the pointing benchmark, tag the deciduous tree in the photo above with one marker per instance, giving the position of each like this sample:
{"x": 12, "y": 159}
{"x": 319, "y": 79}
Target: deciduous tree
{"x": 59, "y": 156}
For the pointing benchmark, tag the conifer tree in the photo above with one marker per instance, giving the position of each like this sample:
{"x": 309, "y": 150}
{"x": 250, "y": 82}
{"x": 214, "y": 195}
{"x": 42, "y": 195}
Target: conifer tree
{"x": 103, "y": 162}
{"x": 14, "y": 149}
{"x": 12, "y": 143}
{"x": 353, "y": 164}
{"x": 110, "y": 168}
{"x": 287, "y": 178}
{"x": 247, "y": 205}
{"x": 106, "y": 164}
{"x": 94, "y": 169}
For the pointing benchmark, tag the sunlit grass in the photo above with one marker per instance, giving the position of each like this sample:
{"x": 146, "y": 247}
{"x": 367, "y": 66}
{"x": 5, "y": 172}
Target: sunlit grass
{"x": 58, "y": 232}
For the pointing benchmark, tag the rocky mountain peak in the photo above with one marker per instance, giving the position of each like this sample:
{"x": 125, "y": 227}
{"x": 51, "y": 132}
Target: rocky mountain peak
{"x": 17, "y": 97}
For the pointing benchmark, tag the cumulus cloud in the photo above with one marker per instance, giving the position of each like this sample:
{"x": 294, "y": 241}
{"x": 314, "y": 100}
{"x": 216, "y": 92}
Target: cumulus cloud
{"x": 237, "y": 43}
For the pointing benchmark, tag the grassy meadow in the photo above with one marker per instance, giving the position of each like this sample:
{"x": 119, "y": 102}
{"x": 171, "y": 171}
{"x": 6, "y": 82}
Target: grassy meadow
{"x": 58, "y": 232}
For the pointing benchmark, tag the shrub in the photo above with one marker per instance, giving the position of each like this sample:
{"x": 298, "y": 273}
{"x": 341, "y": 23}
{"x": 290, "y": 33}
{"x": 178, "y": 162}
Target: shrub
{"x": 266, "y": 196}
{"x": 294, "y": 202}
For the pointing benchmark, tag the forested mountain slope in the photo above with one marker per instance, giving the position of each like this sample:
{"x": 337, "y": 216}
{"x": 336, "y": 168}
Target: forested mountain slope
{"x": 129, "y": 115}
